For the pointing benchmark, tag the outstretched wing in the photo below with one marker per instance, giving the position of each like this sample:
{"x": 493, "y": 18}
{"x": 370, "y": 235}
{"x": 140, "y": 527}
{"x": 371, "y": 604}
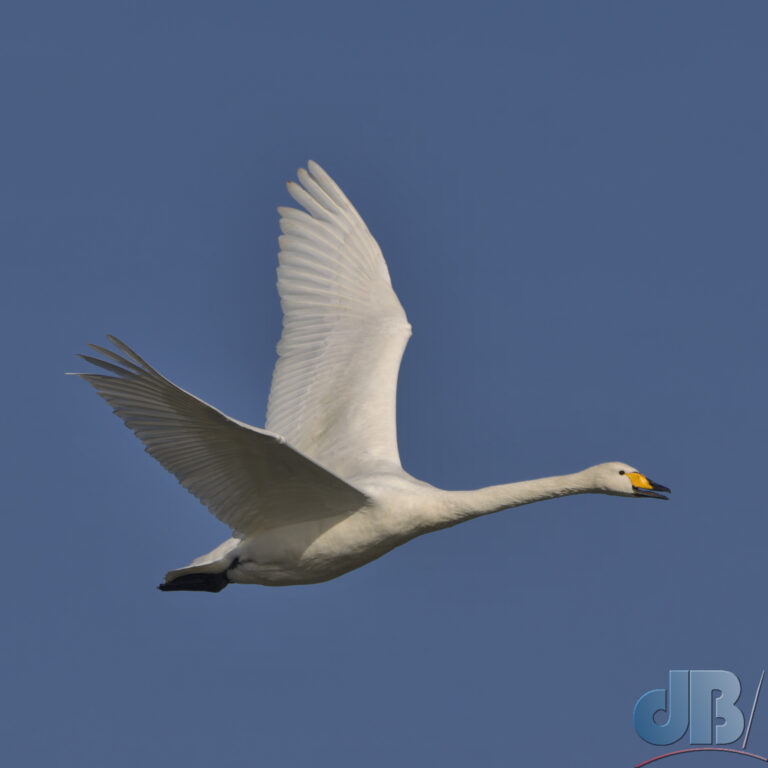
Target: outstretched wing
{"x": 344, "y": 333}
{"x": 249, "y": 478}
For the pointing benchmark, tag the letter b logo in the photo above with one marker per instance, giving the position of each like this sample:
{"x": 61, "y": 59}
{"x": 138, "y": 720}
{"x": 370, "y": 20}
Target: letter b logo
{"x": 690, "y": 698}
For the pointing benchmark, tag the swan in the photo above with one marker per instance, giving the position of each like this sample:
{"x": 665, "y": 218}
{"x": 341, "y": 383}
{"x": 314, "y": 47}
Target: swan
{"x": 320, "y": 490}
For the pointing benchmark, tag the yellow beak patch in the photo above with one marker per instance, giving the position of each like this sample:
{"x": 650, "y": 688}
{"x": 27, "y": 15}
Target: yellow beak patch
{"x": 639, "y": 481}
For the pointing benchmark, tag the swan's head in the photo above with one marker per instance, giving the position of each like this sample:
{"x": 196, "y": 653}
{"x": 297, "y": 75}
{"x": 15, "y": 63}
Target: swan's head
{"x": 620, "y": 479}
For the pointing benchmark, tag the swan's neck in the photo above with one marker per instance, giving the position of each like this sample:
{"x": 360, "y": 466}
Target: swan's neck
{"x": 463, "y": 505}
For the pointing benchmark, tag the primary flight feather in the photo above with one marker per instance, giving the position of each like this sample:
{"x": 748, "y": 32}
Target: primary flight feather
{"x": 320, "y": 491}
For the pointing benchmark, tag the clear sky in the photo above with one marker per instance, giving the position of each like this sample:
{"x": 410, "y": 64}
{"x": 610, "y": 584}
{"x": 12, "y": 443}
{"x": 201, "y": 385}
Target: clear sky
{"x": 571, "y": 197}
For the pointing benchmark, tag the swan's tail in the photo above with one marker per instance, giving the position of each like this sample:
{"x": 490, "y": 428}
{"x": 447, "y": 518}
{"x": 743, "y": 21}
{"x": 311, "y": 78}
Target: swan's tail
{"x": 204, "y": 574}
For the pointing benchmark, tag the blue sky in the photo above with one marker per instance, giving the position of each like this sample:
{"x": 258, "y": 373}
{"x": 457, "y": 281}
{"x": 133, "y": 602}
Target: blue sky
{"x": 571, "y": 199}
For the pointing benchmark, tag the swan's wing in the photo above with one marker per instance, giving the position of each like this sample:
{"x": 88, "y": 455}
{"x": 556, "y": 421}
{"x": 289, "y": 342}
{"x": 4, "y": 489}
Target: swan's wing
{"x": 344, "y": 333}
{"x": 249, "y": 478}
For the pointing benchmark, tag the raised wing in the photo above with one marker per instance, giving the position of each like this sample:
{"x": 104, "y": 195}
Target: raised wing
{"x": 249, "y": 478}
{"x": 344, "y": 332}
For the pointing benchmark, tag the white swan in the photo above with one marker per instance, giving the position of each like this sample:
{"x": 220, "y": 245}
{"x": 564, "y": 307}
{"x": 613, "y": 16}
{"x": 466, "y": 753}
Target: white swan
{"x": 320, "y": 491}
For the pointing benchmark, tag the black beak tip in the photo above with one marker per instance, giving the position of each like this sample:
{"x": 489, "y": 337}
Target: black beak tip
{"x": 654, "y": 492}
{"x": 658, "y": 486}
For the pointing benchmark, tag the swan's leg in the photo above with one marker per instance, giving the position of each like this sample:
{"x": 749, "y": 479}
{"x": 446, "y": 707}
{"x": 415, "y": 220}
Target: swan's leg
{"x": 204, "y": 574}
{"x": 197, "y": 582}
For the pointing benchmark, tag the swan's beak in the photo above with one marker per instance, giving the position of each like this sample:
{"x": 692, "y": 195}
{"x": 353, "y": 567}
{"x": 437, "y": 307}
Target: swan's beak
{"x": 645, "y": 487}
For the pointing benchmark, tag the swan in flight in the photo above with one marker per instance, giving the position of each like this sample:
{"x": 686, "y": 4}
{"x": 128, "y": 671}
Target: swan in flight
{"x": 320, "y": 490}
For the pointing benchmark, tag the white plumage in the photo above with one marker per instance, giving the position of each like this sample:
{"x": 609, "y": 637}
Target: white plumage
{"x": 321, "y": 490}
{"x": 343, "y": 326}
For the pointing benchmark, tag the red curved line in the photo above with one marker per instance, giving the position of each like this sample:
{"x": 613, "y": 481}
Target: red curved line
{"x": 704, "y": 749}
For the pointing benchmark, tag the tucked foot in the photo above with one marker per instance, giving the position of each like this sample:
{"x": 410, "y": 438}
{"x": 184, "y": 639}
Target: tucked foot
{"x": 196, "y": 582}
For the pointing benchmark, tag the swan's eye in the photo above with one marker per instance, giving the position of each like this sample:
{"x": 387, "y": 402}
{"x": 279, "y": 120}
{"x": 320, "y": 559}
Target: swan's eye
{"x": 621, "y": 472}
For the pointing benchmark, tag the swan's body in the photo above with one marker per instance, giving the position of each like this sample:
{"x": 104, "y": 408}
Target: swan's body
{"x": 320, "y": 491}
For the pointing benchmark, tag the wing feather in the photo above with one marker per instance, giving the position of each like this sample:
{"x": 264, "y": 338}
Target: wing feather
{"x": 249, "y": 478}
{"x": 344, "y": 333}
